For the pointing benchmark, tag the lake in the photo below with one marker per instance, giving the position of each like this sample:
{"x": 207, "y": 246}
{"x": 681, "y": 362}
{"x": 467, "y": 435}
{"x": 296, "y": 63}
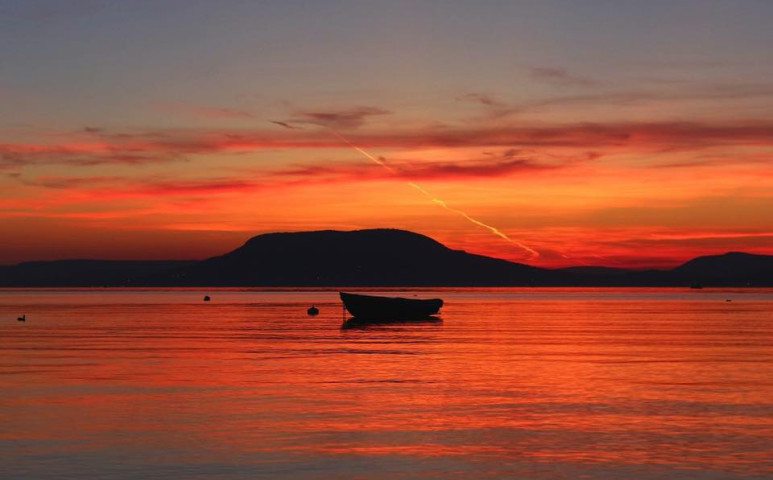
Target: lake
{"x": 512, "y": 384}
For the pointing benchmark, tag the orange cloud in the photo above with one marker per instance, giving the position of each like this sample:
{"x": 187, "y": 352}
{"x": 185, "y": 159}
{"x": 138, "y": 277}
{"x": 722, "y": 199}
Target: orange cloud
{"x": 335, "y": 119}
{"x": 601, "y": 193}
{"x": 174, "y": 145}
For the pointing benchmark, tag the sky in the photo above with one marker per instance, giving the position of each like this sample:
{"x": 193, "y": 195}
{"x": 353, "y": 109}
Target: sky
{"x": 554, "y": 133}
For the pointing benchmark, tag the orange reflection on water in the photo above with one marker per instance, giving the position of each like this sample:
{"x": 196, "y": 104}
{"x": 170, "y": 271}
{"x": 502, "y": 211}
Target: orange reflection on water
{"x": 631, "y": 381}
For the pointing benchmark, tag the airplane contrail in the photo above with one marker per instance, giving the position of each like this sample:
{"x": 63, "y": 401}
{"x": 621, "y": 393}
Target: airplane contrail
{"x": 532, "y": 253}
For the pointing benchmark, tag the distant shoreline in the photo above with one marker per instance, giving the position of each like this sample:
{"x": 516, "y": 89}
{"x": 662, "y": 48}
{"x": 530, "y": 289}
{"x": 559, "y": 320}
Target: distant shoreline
{"x": 375, "y": 258}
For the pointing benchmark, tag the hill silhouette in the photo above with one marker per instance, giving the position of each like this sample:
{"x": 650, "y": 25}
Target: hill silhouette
{"x": 84, "y": 273}
{"x": 376, "y": 257}
{"x": 363, "y": 257}
{"x": 732, "y": 268}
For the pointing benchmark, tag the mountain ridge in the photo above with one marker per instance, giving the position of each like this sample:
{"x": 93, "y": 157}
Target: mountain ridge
{"x": 373, "y": 257}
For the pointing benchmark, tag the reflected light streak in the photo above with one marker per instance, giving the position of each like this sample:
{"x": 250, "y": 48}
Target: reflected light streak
{"x": 533, "y": 254}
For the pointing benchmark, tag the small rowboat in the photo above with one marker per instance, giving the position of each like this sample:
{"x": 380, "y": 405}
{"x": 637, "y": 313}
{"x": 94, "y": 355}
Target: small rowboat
{"x": 371, "y": 307}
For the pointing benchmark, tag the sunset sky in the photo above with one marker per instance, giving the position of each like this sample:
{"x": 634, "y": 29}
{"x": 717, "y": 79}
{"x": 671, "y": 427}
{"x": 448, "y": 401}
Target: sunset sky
{"x": 560, "y": 132}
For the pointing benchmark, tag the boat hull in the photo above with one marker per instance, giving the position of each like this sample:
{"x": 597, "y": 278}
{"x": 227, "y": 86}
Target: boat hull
{"x": 370, "y": 307}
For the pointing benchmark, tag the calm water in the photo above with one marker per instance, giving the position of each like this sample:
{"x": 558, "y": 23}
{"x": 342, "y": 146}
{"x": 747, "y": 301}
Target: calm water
{"x": 522, "y": 384}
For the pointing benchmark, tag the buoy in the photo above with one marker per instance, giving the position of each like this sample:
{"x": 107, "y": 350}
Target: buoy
{"x": 206, "y": 298}
{"x": 312, "y": 310}
{"x": 23, "y": 318}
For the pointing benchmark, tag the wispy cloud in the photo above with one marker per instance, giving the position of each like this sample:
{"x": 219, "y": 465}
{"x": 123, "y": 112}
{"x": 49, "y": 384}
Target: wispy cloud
{"x": 481, "y": 98}
{"x": 689, "y": 92}
{"x": 96, "y": 187}
{"x": 709, "y": 235}
{"x": 82, "y": 154}
{"x": 679, "y": 92}
{"x": 62, "y": 182}
{"x": 494, "y": 107}
{"x": 560, "y": 77}
{"x": 336, "y": 119}
{"x": 97, "y": 146}
{"x": 475, "y": 169}
{"x": 254, "y": 179}
{"x": 418, "y": 171}
{"x": 286, "y": 125}
{"x": 195, "y": 187}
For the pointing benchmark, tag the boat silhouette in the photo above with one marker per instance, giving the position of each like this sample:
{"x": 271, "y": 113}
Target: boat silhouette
{"x": 383, "y": 309}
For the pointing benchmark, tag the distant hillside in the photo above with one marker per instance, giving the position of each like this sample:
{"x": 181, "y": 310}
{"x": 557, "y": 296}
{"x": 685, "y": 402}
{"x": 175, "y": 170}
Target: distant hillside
{"x": 378, "y": 257}
{"x": 732, "y": 268}
{"x": 84, "y": 273}
{"x": 364, "y": 257}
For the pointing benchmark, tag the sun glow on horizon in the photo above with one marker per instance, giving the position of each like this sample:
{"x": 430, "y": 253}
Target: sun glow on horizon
{"x": 532, "y": 254}
{"x": 162, "y": 143}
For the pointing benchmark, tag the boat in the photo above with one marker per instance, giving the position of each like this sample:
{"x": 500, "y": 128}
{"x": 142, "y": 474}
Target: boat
{"x": 371, "y": 307}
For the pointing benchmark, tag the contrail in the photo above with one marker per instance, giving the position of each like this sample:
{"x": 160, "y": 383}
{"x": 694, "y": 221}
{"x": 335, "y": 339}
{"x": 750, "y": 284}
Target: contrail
{"x": 368, "y": 155}
{"x": 532, "y": 253}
